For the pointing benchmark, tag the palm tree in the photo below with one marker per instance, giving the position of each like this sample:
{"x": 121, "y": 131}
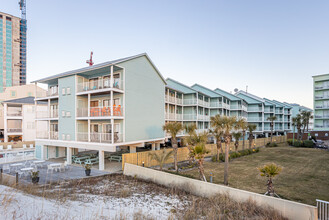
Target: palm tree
{"x": 190, "y": 129}
{"x": 243, "y": 125}
{"x": 271, "y": 119}
{"x": 229, "y": 124}
{"x": 216, "y": 123}
{"x": 297, "y": 121}
{"x": 237, "y": 136}
{"x": 199, "y": 151}
{"x": 294, "y": 124}
{"x": 174, "y": 128}
{"x": 306, "y": 116}
{"x": 270, "y": 171}
{"x": 161, "y": 157}
{"x": 251, "y": 129}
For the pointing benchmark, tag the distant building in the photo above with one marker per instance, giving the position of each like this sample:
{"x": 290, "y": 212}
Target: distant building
{"x": 297, "y": 109}
{"x": 12, "y": 51}
{"x": 19, "y": 119}
{"x": 321, "y": 102}
{"x": 16, "y": 92}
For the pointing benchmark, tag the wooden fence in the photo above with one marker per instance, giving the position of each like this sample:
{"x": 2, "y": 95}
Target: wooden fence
{"x": 182, "y": 153}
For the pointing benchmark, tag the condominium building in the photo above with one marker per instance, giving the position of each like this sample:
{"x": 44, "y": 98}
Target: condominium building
{"x": 259, "y": 109}
{"x": 321, "y": 102}
{"x": 298, "y": 109}
{"x": 12, "y": 51}
{"x": 106, "y": 107}
{"x": 16, "y": 92}
{"x": 19, "y": 119}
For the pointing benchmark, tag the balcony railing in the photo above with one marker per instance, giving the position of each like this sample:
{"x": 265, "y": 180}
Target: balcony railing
{"x": 189, "y": 116}
{"x": 100, "y": 111}
{"x": 47, "y": 114}
{"x": 14, "y": 130}
{"x": 100, "y": 84}
{"x": 216, "y": 104}
{"x": 49, "y": 93}
{"x": 53, "y": 135}
{"x": 170, "y": 116}
{"x": 179, "y": 101}
{"x": 189, "y": 101}
{"x": 255, "y": 119}
{"x": 99, "y": 137}
{"x": 254, "y": 109}
{"x": 322, "y": 87}
{"x": 13, "y": 114}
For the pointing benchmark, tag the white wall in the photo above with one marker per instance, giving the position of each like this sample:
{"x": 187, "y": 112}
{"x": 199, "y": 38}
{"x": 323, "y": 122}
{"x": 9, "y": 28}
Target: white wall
{"x": 29, "y": 123}
{"x": 289, "y": 209}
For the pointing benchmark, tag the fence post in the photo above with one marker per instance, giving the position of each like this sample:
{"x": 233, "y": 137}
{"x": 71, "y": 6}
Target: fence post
{"x": 16, "y": 178}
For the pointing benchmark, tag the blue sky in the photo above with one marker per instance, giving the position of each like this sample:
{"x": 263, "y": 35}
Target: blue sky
{"x": 274, "y": 47}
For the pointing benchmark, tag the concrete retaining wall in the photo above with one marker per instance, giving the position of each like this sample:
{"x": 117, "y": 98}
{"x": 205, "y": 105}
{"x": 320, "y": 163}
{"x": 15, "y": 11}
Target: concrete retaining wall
{"x": 289, "y": 209}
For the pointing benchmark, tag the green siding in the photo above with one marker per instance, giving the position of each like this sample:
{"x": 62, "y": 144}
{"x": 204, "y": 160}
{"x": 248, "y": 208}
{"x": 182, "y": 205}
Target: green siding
{"x": 66, "y": 125}
{"x": 144, "y": 101}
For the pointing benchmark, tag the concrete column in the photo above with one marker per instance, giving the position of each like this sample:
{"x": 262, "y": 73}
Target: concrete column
{"x": 101, "y": 160}
{"x": 69, "y": 155}
{"x": 89, "y": 105}
{"x": 112, "y": 128}
{"x": 132, "y": 149}
{"x": 5, "y": 109}
{"x": 88, "y": 130}
{"x": 153, "y": 146}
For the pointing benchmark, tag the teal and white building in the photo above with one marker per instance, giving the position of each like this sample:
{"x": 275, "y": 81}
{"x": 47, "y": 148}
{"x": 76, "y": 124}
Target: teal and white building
{"x": 321, "y": 102}
{"x": 106, "y": 107}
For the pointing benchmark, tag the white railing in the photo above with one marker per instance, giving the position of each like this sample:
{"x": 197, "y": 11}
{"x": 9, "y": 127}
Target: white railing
{"x": 14, "y": 113}
{"x": 47, "y": 114}
{"x": 190, "y": 101}
{"x": 189, "y": 116}
{"x": 254, "y": 109}
{"x": 100, "y": 84}
{"x": 166, "y": 98}
{"x": 172, "y": 99}
{"x": 179, "y": 101}
{"x": 216, "y": 104}
{"x": 323, "y": 209}
{"x": 255, "y": 119}
{"x": 14, "y": 130}
{"x": 104, "y": 111}
{"x": 170, "y": 115}
{"x": 99, "y": 137}
{"x": 52, "y": 135}
{"x": 200, "y": 117}
{"x": 16, "y": 155}
{"x": 179, "y": 116}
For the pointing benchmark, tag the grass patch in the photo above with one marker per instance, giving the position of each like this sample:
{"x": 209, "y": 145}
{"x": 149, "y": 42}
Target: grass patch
{"x": 304, "y": 177}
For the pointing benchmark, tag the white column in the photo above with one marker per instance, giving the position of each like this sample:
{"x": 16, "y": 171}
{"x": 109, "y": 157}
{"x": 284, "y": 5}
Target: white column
{"x": 89, "y": 105}
{"x": 111, "y": 77}
{"x": 101, "y": 160}
{"x": 5, "y": 109}
{"x": 69, "y": 155}
{"x": 153, "y": 146}
{"x": 157, "y": 145}
{"x": 88, "y": 130}
{"x": 112, "y": 128}
{"x": 132, "y": 149}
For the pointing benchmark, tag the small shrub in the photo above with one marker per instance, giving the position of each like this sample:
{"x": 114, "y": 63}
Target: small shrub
{"x": 273, "y": 144}
{"x": 308, "y": 143}
{"x": 289, "y": 142}
{"x": 297, "y": 143}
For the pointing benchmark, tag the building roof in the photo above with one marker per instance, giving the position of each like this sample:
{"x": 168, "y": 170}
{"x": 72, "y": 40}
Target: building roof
{"x": 324, "y": 74}
{"x": 9, "y": 15}
{"x": 98, "y": 66}
{"x": 206, "y": 91}
{"x": 26, "y": 100}
{"x": 227, "y": 95}
{"x": 249, "y": 98}
{"x": 173, "y": 84}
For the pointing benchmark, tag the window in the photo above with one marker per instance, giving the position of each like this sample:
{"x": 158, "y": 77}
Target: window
{"x": 13, "y": 93}
{"x": 68, "y": 114}
{"x": 68, "y": 137}
{"x": 63, "y": 114}
{"x": 68, "y": 90}
{"x": 63, "y": 91}
{"x": 63, "y": 136}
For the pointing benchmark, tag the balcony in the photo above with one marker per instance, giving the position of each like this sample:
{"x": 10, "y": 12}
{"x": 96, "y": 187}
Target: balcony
{"x": 255, "y": 109}
{"x": 100, "y": 85}
{"x": 190, "y": 101}
{"x": 321, "y": 97}
{"x": 101, "y": 112}
{"x": 50, "y": 94}
{"x": 278, "y": 112}
{"x": 52, "y": 135}
{"x": 203, "y": 103}
{"x": 173, "y": 100}
{"x": 170, "y": 116}
{"x": 321, "y": 87}
{"x": 215, "y": 104}
{"x": 47, "y": 114}
{"x": 190, "y": 117}
{"x": 99, "y": 137}
{"x": 14, "y": 130}
{"x": 253, "y": 119}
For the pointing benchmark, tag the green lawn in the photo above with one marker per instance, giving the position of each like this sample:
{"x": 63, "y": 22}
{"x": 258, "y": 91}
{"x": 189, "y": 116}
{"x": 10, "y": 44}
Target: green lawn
{"x": 304, "y": 177}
